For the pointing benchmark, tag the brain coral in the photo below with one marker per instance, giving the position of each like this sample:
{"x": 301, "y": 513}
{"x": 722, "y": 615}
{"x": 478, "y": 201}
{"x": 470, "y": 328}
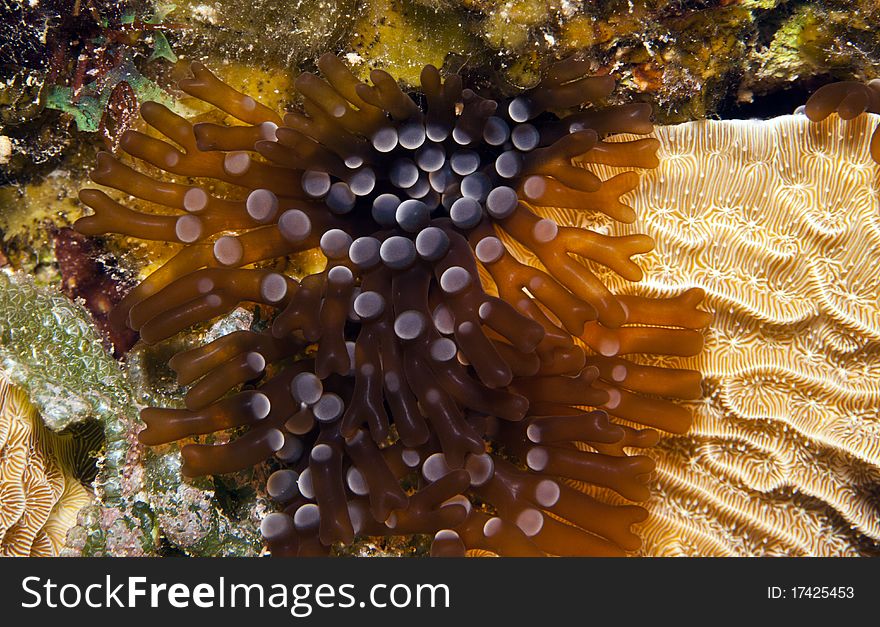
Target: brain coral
{"x": 458, "y": 366}
{"x": 39, "y": 499}
{"x": 779, "y": 222}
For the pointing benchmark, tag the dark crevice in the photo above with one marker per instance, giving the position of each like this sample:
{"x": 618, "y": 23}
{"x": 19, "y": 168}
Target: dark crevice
{"x": 765, "y": 106}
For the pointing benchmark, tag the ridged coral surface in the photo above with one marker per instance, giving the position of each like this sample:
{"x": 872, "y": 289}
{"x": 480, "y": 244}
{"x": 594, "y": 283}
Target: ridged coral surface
{"x": 39, "y": 500}
{"x": 779, "y": 222}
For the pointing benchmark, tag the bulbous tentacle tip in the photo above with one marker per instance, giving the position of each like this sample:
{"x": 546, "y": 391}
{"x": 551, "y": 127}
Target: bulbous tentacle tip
{"x": 847, "y": 98}
{"x": 128, "y": 140}
{"x": 151, "y": 109}
{"x": 447, "y": 543}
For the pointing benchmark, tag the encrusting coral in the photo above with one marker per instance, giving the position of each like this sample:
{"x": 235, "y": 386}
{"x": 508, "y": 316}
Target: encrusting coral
{"x": 39, "y": 329}
{"x": 39, "y": 497}
{"x": 777, "y": 221}
{"x": 426, "y": 380}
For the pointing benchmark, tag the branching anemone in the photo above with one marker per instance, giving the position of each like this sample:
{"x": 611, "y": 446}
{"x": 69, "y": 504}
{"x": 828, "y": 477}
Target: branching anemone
{"x": 429, "y": 380}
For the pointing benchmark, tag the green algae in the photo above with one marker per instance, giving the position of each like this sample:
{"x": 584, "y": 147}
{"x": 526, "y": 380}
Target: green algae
{"x": 508, "y": 24}
{"x": 832, "y": 39}
{"x": 402, "y": 37}
{"x": 162, "y": 49}
{"x": 87, "y": 108}
{"x": 278, "y": 33}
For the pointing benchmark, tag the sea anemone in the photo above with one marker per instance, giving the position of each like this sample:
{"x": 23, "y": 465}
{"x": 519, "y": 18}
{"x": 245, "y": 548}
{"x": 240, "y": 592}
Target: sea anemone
{"x": 458, "y": 368}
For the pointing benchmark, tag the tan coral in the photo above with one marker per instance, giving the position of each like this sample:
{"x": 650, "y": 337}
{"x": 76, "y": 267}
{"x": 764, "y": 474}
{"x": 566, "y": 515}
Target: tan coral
{"x": 38, "y": 496}
{"x": 779, "y": 222}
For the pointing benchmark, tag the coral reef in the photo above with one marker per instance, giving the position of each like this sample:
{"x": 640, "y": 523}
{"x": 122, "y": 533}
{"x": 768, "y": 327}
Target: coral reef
{"x": 783, "y": 457}
{"x": 426, "y": 380}
{"x": 402, "y": 37}
{"x": 806, "y": 43}
{"x": 50, "y": 348}
{"x": 689, "y": 60}
{"x": 280, "y": 33}
{"x": 147, "y": 508}
{"x": 83, "y": 58}
{"x": 39, "y": 495}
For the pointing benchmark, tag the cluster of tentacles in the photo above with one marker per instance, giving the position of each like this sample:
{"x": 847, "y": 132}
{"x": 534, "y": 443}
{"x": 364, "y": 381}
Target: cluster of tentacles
{"x": 848, "y": 99}
{"x": 427, "y": 380}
